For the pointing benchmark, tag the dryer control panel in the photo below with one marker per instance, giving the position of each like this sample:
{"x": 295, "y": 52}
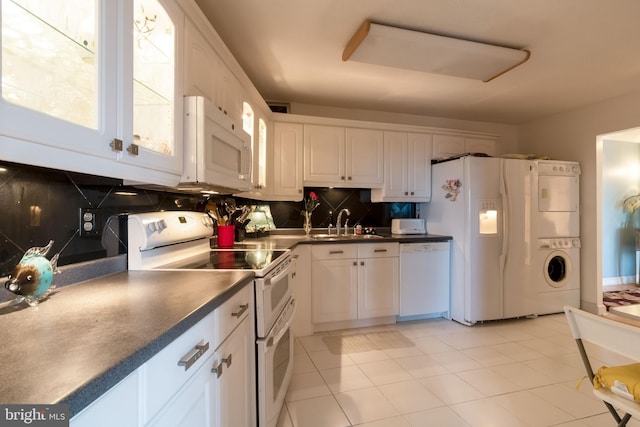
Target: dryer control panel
{"x": 561, "y": 243}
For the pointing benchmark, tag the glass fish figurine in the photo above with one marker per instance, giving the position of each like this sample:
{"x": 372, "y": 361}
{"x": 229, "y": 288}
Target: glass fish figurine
{"x": 32, "y": 278}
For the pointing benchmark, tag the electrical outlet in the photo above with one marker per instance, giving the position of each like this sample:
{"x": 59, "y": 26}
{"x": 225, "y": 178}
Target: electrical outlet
{"x": 89, "y": 223}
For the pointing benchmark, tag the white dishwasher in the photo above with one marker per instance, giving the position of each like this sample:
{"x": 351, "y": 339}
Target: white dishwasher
{"x": 424, "y": 280}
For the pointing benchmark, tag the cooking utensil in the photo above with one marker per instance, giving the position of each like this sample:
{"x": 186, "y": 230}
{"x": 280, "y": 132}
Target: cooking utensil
{"x": 212, "y": 210}
{"x": 243, "y": 216}
{"x": 230, "y": 205}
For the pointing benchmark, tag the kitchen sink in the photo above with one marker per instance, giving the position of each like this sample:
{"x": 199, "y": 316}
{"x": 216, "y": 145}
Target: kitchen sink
{"x": 347, "y": 237}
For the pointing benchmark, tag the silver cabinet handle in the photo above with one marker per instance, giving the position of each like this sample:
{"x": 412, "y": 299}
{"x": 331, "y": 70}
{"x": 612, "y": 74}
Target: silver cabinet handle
{"x": 355, "y": 262}
{"x": 361, "y": 262}
{"x": 217, "y": 369}
{"x": 227, "y": 360}
{"x": 116, "y": 145}
{"x": 190, "y": 358}
{"x": 335, "y": 252}
{"x": 379, "y": 250}
{"x": 243, "y": 308}
{"x": 133, "y": 149}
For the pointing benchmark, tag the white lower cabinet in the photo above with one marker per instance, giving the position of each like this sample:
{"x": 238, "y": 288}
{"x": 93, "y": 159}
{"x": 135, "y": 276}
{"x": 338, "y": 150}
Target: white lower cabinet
{"x": 354, "y": 281}
{"x": 192, "y": 406}
{"x": 205, "y": 377}
{"x": 220, "y": 392}
{"x": 118, "y": 407}
{"x": 234, "y": 390}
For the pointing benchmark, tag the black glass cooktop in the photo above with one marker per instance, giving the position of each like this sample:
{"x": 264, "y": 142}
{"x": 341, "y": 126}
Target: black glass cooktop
{"x": 256, "y": 259}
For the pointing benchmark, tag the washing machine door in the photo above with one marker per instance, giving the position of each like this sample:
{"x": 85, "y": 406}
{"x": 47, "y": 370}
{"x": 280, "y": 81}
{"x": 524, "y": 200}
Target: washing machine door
{"x": 557, "y": 269}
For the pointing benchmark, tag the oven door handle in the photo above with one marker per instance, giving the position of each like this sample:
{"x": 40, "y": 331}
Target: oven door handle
{"x": 275, "y": 338}
{"x": 284, "y": 272}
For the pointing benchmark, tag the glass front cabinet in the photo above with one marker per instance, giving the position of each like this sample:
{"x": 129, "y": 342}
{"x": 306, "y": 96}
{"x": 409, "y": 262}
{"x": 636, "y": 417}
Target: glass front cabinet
{"x": 92, "y": 86}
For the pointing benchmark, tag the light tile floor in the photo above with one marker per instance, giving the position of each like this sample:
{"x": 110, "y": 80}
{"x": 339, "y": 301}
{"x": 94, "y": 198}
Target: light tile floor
{"x": 508, "y": 373}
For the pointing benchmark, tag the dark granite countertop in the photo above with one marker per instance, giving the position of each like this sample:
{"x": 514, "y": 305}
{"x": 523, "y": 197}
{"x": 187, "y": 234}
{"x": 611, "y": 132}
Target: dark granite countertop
{"x": 87, "y": 337}
{"x": 290, "y": 238}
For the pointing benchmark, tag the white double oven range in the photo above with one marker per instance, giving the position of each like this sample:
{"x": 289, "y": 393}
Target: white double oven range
{"x": 178, "y": 240}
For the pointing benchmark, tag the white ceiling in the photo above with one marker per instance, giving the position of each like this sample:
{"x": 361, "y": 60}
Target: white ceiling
{"x": 582, "y": 52}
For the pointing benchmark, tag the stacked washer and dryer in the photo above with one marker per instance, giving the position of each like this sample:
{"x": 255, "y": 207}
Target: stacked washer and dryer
{"x": 557, "y": 231}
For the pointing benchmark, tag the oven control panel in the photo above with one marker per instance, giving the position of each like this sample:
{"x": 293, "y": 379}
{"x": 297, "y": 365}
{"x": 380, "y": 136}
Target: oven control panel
{"x": 156, "y": 229}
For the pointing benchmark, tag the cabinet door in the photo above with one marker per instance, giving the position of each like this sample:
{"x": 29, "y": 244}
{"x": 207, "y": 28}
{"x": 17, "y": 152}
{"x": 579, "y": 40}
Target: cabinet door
{"x": 324, "y": 151}
{"x": 200, "y": 60}
{"x": 302, "y": 324}
{"x": 117, "y": 407}
{"x": 447, "y": 145}
{"x": 334, "y": 290}
{"x": 395, "y": 159}
{"x": 228, "y": 94}
{"x": 287, "y": 161}
{"x": 59, "y": 72}
{"x": 234, "y": 387}
{"x": 377, "y": 287}
{"x": 364, "y": 157}
{"x": 193, "y": 405}
{"x": 480, "y": 145}
{"x": 152, "y": 118}
{"x": 419, "y": 166}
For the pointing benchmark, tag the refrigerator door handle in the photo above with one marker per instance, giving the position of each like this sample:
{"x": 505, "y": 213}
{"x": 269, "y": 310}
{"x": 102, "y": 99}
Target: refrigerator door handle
{"x": 504, "y": 195}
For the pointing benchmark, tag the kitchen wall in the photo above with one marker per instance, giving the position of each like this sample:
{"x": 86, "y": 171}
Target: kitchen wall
{"x": 42, "y": 204}
{"x": 620, "y": 179}
{"x": 358, "y": 201}
{"x": 574, "y": 135}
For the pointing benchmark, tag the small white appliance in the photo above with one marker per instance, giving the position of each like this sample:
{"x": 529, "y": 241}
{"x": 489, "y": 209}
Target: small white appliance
{"x": 217, "y": 151}
{"x": 496, "y": 210}
{"x": 408, "y": 226}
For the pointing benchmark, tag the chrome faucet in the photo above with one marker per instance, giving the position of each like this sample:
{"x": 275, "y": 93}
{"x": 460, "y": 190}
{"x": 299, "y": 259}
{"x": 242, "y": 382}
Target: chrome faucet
{"x": 340, "y": 219}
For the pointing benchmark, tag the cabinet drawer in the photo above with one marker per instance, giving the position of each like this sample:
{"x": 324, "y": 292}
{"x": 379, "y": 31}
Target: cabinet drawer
{"x": 378, "y": 250}
{"x": 163, "y": 375}
{"x": 232, "y": 312}
{"x": 334, "y": 251}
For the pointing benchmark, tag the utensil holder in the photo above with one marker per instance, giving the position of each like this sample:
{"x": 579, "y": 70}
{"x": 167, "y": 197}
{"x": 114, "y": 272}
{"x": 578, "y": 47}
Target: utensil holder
{"x": 226, "y": 235}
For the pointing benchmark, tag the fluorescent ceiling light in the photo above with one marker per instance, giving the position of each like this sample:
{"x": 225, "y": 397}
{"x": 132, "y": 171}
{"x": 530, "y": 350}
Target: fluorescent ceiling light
{"x": 414, "y": 50}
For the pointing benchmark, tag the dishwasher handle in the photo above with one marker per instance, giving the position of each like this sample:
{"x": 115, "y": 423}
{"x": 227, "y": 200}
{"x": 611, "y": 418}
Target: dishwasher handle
{"x": 424, "y": 247}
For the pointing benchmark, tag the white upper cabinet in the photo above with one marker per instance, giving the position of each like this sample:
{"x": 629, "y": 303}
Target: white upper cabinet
{"x": 200, "y": 61}
{"x": 69, "y": 69}
{"x": 407, "y": 158}
{"x": 364, "y": 157}
{"x": 480, "y": 145}
{"x": 287, "y": 162}
{"x": 450, "y": 145}
{"x": 343, "y": 157}
{"x": 447, "y": 145}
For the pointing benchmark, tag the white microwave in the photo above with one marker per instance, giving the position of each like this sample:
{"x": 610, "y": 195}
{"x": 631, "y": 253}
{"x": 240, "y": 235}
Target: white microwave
{"x": 217, "y": 151}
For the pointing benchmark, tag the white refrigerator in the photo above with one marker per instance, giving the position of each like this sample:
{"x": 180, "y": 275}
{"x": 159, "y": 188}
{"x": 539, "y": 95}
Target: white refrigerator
{"x": 485, "y": 204}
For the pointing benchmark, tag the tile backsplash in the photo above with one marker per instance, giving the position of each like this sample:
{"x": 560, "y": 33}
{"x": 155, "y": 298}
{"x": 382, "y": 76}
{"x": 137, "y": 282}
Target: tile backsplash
{"x": 40, "y": 204}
